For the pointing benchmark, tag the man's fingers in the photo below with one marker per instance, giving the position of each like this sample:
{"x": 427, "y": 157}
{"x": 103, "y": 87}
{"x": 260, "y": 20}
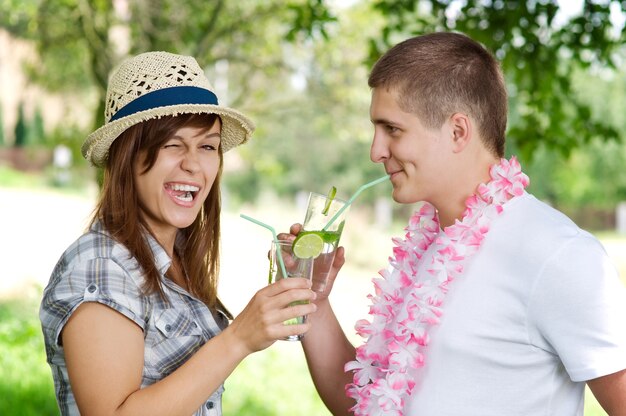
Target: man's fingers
{"x": 295, "y": 229}
{"x": 340, "y": 258}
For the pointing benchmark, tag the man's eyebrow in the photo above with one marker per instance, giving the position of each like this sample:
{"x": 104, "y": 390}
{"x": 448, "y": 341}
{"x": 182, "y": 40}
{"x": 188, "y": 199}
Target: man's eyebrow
{"x": 383, "y": 121}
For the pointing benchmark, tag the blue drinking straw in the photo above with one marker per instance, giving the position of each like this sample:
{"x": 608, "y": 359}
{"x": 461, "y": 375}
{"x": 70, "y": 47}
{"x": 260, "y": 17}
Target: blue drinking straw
{"x": 269, "y": 227}
{"x": 352, "y": 198}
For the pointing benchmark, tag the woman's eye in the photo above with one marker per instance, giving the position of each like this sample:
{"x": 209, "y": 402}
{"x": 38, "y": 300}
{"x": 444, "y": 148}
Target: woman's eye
{"x": 209, "y": 147}
{"x": 171, "y": 145}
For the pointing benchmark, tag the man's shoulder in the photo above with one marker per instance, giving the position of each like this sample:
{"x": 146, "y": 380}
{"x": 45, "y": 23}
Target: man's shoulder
{"x": 532, "y": 228}
{"x": 531, "y": 215}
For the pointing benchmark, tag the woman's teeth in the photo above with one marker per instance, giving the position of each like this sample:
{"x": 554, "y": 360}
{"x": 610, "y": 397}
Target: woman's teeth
{"x": 186, "y": 191}
{"x": 188, "y": 188}
{"x": 186, "y": 197}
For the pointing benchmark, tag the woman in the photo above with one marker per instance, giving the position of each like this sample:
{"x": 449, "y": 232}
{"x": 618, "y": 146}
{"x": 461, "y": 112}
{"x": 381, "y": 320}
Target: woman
{"x": 131, "y": 319}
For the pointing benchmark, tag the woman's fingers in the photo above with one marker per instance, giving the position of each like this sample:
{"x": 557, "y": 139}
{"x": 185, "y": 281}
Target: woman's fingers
{"x": 264, "y": 319}
{"x": 283, "y": 285}
{"x": 285, "y": 326}
{"x": 282, "y": 331}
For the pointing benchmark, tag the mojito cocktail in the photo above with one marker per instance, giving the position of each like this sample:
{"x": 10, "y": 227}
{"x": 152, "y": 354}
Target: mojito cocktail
{"x": 319, "y": 211}
{"x": 293, "y": 267}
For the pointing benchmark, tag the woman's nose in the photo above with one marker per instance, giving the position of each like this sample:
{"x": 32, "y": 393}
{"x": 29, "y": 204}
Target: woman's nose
{"x": 190, "y": 162}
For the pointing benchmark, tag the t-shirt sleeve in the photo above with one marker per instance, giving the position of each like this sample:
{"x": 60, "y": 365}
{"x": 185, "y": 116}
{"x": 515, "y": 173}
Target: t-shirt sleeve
{"x": 578, "y": 310}
{"x": 100, "y": 280}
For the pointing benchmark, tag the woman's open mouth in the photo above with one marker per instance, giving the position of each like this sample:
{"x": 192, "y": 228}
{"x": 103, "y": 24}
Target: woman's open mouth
{"x": 182, "y": 192}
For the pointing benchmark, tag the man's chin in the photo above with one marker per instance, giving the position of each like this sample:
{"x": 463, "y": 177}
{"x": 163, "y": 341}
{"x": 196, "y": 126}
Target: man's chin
{"x": 402, "y": 198}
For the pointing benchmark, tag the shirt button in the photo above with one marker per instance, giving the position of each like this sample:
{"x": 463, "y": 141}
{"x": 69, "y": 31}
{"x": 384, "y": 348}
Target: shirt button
{"x": 210, "y": 405}
{"x": 168, "y": 327}
{"x": 92, "y": 288}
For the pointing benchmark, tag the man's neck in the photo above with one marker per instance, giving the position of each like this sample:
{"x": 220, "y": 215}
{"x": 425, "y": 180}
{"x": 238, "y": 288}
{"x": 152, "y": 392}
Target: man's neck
{"x": 452, "y": 206}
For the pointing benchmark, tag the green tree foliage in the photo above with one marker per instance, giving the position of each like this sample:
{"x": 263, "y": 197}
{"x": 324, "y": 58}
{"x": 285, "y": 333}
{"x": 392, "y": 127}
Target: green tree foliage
{"x": 299, "y": 69}
{"x": 2, "y": 141}
{"x": 36, "y": 133}
{"x": 538, "y": 52}
{"x": 21, "y": 132}
{"x": 80, "y": 41}
{"x": 314, "y": 131}
{"x": 16, "y": 16}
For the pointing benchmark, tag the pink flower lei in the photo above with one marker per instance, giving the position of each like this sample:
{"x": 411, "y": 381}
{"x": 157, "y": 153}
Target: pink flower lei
{"x": 405, "y": 306}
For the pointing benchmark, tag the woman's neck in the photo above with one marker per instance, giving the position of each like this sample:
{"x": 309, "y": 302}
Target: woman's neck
{"x": 176, "y": 272}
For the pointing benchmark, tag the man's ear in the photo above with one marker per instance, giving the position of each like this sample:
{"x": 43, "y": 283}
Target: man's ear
{"x": 462, "y": 133}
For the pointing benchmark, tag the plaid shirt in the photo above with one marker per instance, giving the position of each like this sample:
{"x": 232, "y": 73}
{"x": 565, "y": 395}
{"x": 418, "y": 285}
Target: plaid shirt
{"x": 96, "y": 268}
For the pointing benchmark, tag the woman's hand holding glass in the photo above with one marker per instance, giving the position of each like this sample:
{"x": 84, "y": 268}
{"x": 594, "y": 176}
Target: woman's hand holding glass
{"x": 262, "y": 321}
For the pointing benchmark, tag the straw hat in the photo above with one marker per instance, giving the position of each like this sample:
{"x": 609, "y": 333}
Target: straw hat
{"x": 157, "y": 84}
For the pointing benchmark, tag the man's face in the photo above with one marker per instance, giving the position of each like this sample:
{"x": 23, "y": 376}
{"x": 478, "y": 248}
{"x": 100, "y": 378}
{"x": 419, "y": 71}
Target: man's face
{"x": 414, "y": 156}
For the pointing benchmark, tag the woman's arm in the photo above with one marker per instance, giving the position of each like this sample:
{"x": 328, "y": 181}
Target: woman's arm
{"x": 104, "y": 353}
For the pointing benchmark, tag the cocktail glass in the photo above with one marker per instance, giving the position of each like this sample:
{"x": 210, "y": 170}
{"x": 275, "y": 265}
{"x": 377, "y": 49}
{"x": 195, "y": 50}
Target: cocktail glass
{"x": 293, "y": 267}
{"x": 318, "y": 214}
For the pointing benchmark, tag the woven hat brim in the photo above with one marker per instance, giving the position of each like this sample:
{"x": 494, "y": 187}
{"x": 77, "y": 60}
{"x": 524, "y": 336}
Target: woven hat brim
{"x": 236, "y": 128}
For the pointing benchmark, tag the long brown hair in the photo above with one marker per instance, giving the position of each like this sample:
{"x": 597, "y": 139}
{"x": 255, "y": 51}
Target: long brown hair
{"x": 439, "y": 74}
{"x": 119, "y": 212}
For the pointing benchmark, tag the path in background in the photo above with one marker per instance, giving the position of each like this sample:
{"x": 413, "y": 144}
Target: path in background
{"x": 37, "y": 226}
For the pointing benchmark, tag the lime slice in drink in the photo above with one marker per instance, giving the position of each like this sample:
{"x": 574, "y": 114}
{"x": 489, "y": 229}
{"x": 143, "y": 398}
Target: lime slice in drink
{"x": 307, "y": 245}
{"x": 329, "y": 199}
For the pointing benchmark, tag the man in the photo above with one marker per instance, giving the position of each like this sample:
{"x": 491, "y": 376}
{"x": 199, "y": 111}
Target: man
{"x": 494, "y": 303}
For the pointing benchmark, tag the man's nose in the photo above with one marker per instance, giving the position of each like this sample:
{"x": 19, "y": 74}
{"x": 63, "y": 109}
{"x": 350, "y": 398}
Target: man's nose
{"x": 379, "y": 151}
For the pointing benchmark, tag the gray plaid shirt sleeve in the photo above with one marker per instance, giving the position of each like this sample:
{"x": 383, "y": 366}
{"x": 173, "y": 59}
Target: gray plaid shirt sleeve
{"x": 98, "y": 279}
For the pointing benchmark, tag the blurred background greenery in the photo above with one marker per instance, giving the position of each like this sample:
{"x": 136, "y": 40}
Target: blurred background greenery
{"x": 299, "y": 69}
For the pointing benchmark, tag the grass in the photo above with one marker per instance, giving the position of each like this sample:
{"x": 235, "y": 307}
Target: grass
{"x": 273, "y": 382}
{"x": 14, "y": 179}
{"x": 79, "y": 181}
{"x": 26, "y": 386}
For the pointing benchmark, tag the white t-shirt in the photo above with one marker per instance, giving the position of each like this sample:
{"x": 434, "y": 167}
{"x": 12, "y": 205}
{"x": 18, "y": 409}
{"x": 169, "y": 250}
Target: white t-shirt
{"x": 539, "y": 310}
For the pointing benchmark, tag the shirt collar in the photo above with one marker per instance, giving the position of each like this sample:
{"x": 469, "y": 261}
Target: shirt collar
{"x": 161, "y": 260}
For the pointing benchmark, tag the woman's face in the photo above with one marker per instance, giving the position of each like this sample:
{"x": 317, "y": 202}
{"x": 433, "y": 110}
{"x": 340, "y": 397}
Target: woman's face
{"x": 173, "y": 191}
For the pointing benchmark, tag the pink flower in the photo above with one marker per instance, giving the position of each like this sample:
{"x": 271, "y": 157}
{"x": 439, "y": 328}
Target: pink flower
{"x": 405, "y": 354}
